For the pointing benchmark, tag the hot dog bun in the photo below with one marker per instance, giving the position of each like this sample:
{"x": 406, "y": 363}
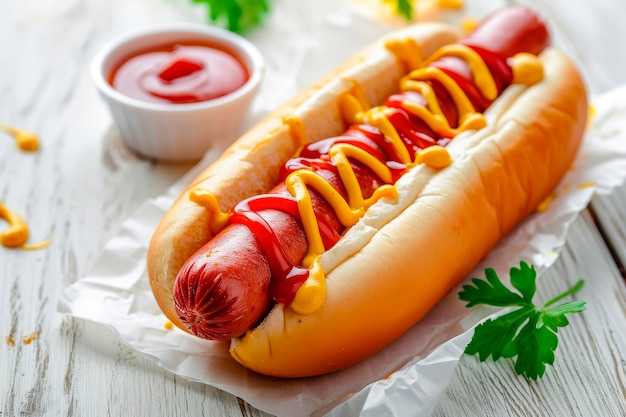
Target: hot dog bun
{"x": 251, "y": 165}
{"x": 402, "y": 258}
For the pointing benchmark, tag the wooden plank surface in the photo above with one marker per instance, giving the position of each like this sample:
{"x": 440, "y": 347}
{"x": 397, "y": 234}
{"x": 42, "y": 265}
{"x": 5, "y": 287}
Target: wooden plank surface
{"x": 589, "y": 375}
{"x": 82, "y": 185}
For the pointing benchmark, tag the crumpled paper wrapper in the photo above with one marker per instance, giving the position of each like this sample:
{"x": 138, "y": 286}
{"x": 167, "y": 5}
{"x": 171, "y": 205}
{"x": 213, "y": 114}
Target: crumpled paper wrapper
{"x": 407, "y": 377}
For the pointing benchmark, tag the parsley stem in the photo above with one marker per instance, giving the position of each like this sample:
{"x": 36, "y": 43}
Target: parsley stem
{"x": 571, "y": 291}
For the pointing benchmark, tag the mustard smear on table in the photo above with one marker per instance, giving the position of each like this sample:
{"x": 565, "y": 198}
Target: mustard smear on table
{"x": 30, "y": 338}
{"x": 26, "y": 141}
{"x": 16, "y": 235}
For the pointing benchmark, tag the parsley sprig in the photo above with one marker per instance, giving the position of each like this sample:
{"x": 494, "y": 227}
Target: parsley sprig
{"x": 404, "y": 8}
{"x": 242, "y": 15}
{"x": 528, "y": 333}
{"x": 236, "y": 15}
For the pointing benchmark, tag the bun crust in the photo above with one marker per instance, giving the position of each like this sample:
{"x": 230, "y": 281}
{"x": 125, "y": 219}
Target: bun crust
{"x": 394, "y": 265}
{"x": 403, "y": 267}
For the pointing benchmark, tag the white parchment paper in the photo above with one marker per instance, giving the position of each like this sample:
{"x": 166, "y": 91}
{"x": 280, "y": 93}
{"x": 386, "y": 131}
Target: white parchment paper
{"x": 407, "y": 377}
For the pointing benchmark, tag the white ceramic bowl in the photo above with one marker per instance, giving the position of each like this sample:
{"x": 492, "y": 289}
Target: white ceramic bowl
{"x": 177, "y": 132}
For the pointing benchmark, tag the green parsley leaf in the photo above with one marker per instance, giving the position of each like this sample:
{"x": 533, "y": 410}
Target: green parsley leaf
{"x": 242, "y": 15}
{"x": 534, "y": 348}
{"x": 555, "y": 317}
{"x": 523, "y": 280}
{"x": 528, "y": 333}
{"x": 492, "y": 337}
{"x": 490, "y": 292}
{"x": 405, "y": 9}
{"x": 236, "y": 15}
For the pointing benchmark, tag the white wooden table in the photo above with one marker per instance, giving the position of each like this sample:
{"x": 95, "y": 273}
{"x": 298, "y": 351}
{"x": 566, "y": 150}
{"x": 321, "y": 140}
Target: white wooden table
{"x": 83, "y": 183}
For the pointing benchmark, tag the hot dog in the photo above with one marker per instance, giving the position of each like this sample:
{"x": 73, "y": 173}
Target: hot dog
{"x": 332, "y": 227}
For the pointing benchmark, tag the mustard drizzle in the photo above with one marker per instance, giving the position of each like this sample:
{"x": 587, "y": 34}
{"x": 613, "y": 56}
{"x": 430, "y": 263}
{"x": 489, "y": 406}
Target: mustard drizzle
{"x": 354, "y": 110}
{"x": 218, "y": 219}
{"x": 407, "y": 52}
{"x": 481, "y": 75}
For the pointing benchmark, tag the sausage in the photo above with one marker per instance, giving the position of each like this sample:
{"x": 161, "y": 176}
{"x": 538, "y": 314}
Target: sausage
{"x": 222, "y": 291}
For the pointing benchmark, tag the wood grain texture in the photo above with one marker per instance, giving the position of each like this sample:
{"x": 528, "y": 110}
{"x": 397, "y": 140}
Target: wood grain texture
{"x": 76, "y": 190}
{"x": 84, "y": 183}
{"x": 611, "y": 218}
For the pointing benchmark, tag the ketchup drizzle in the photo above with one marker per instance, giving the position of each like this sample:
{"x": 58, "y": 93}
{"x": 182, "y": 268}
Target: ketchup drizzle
{"x": 415, "y": 134}
{"x": 245, "y": 213}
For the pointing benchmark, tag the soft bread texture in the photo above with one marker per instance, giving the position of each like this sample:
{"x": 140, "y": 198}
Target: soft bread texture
{"x": 251, "y": 165}
{"x": 392, "y": 267}
{"x": 403, "y": 257}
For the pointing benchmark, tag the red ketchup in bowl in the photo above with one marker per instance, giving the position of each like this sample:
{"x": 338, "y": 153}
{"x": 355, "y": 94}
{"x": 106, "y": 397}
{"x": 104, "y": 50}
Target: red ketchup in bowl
{"x": 180, "y": 73}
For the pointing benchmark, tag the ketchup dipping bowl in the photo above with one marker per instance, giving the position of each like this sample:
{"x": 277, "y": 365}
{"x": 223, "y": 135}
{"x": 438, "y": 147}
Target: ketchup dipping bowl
{"x": 175, "y": 91}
